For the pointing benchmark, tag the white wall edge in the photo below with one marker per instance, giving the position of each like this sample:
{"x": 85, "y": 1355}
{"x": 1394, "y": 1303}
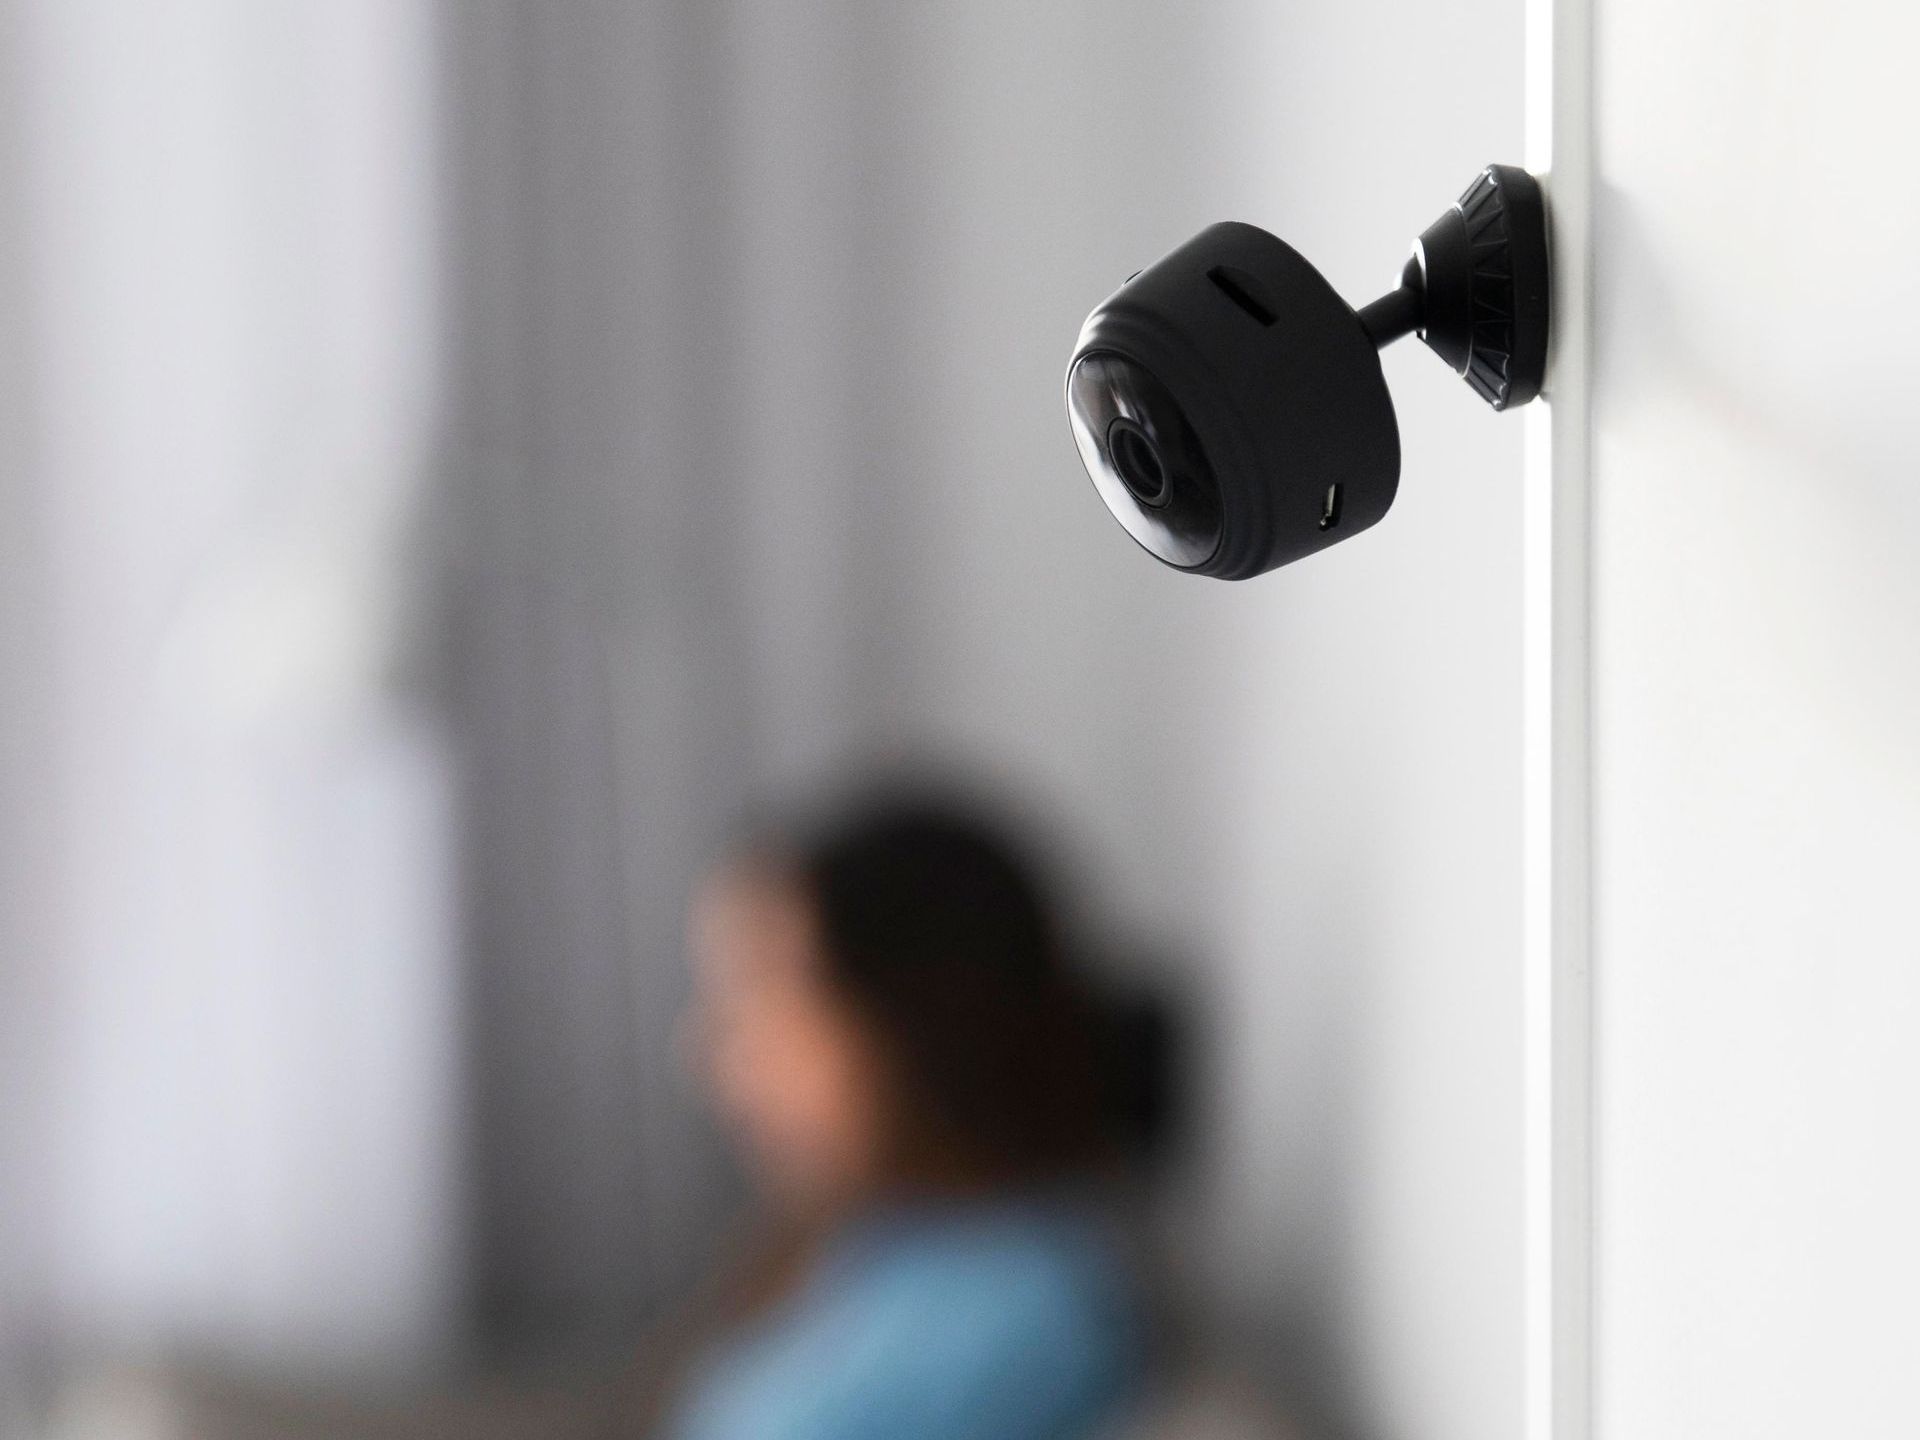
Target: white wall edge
{"x": 1558, "y": 756}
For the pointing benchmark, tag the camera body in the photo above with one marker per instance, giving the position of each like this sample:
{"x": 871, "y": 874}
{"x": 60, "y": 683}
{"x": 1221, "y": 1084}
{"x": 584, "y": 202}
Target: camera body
{"x": 1229, "y": 406}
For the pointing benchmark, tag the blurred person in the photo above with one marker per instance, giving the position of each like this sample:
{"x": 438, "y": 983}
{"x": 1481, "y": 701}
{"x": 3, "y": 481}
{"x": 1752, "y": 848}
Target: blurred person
{"x": 887, "y": 1021}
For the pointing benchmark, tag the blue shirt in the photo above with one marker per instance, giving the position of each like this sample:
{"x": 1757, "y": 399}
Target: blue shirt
{"x": 965, "y": 1322}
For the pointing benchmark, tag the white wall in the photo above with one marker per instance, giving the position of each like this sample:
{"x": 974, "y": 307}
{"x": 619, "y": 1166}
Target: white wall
{"x": 1757, "y": 705}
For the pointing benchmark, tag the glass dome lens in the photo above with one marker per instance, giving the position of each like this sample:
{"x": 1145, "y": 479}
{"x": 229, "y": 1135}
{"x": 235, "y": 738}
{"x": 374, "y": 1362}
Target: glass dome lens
{"x": 1144, "y": 458}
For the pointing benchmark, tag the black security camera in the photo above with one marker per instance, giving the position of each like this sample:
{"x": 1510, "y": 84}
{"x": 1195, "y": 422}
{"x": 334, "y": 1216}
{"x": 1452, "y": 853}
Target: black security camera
{"x": 1229, "y": 405}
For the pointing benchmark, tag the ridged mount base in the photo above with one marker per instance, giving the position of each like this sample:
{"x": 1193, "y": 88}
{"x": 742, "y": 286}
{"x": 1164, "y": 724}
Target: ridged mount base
{"x": 1481, "y": 269}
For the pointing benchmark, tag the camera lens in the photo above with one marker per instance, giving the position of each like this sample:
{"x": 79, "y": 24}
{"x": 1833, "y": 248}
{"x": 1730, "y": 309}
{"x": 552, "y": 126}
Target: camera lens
{"x": 1138, "y": 462}
{"x": 1144, "y": 457}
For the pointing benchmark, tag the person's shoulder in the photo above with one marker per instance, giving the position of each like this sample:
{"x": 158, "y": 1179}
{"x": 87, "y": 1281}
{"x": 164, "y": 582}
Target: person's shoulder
{"x": 1004, "y": 1290}
{"x": 1015, "y": 1263}
{"x": 955, "y": 1323}
{"x": 1023, "y": 1316}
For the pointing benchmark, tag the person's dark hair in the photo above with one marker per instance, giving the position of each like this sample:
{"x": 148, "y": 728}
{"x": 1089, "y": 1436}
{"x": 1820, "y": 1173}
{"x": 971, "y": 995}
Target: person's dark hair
{"x": 941, "y": 929}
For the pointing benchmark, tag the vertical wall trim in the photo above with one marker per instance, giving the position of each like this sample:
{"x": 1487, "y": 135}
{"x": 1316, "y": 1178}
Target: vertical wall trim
{"x": 1558, "y": 752}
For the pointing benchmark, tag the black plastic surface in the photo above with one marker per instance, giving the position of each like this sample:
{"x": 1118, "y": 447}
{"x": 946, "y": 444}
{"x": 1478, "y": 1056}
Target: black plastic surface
{"x": 1262, "y": 396}
{"x": 1481, "y": 269}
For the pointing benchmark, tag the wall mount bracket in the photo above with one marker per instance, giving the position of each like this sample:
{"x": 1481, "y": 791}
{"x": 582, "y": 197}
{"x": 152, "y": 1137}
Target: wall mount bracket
{"x": 1476, "y": 288}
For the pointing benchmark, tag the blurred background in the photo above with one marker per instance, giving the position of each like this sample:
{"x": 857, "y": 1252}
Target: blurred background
{"x": 456, "y": 453}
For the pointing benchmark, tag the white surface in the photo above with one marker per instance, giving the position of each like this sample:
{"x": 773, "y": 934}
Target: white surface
{"x": 1756, "y": 492}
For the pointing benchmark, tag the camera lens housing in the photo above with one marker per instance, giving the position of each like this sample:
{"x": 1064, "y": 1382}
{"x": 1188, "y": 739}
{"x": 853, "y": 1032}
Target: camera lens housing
{"x": 1230, "y": 408}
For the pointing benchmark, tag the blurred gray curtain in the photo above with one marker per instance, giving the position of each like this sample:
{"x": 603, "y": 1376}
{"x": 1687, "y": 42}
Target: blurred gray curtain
{"x": 594, "y": 664}
{"x": 25, "y": 646}
{"x": 755, "y": 466}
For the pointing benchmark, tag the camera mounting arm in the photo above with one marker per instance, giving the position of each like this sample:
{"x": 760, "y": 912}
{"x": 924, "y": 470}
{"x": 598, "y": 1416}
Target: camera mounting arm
{"x": 1475, "y": 289}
